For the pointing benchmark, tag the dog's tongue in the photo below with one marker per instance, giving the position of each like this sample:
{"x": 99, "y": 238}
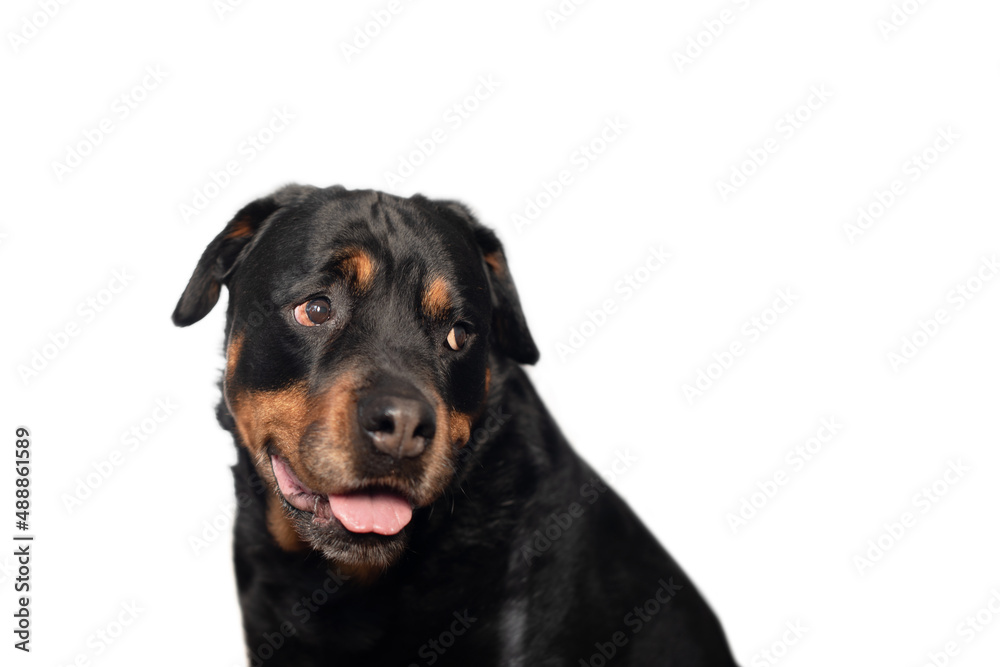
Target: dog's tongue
{"x": 371, "y": 512}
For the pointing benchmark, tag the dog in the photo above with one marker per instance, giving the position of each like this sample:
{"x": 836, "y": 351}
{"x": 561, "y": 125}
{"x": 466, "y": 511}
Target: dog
{"x": 404, "y": 496}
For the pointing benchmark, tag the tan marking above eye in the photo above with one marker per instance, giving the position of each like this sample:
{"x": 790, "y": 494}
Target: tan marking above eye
{"x": 360, "y": 266}
{"x": 436, "y": 301}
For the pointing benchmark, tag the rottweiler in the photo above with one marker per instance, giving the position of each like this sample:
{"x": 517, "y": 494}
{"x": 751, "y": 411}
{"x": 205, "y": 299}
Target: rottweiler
{"x": 405, "y": 498}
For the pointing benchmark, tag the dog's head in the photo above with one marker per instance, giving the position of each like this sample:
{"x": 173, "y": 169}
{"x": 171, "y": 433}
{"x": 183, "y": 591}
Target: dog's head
{"x": 360, "y": 332}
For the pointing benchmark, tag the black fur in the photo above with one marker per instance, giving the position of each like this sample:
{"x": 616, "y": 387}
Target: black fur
{"x": 526, "y": 558}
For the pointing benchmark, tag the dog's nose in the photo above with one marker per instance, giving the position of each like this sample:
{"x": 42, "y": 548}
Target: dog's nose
{"x": 401, "y": 426}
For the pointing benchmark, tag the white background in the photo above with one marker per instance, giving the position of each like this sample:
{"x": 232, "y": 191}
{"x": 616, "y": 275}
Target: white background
{"x": 686, "y": 127}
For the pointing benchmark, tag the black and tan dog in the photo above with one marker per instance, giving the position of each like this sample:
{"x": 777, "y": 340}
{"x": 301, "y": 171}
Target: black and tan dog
{"x": 406, "y": 499}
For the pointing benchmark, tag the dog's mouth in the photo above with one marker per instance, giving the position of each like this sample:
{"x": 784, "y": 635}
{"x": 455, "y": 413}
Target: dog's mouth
{"x": 368, "y": 510}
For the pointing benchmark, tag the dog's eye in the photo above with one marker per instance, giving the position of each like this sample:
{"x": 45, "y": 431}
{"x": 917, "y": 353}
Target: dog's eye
{"x": 457, "y": 337}
{"x": 313, "y": 312}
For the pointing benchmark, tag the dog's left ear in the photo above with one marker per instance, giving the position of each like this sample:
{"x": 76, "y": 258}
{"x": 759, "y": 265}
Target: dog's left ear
{"x": 219, "y": 258}
{"x": 510, "y": 327}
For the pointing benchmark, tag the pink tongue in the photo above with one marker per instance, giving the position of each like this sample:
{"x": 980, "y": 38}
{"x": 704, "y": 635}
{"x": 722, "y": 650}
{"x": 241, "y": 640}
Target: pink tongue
{"x": 368, "y": 512}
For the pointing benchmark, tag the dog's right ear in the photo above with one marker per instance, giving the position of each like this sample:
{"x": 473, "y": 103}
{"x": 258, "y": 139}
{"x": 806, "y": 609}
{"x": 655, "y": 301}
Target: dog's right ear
{"x": 202, "y": 291}
{"x": 219, "y": 258}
